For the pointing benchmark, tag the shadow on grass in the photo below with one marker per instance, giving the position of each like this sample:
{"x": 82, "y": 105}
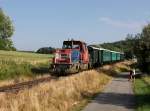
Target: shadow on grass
{"x": 109, "y": 72}
{"x": 142, "y": 101}
{"x": 123, "y": 69}
{"x": 40, "y": 70}
{"x": 45, "y": 71}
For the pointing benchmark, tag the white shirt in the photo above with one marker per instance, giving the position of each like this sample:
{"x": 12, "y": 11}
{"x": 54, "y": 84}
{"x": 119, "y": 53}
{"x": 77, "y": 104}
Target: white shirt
{"x": 133, "y": 71}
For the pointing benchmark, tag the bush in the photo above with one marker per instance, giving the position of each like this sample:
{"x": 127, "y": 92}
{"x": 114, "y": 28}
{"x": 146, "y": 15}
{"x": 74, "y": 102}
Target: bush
{"x": 46, "y": 50}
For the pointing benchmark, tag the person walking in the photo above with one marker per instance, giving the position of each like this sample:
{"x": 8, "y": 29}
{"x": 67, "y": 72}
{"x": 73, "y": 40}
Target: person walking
{"x": 130, "y": 75}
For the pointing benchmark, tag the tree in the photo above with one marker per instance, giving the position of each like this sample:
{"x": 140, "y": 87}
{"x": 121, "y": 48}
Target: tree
{"x": 142, "y": 49}
{"x": 130, "y": 42}
{"x": 6, "y": 32}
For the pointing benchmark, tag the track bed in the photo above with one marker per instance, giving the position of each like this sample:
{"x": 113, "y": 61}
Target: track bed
{"x": 23, "y": 85}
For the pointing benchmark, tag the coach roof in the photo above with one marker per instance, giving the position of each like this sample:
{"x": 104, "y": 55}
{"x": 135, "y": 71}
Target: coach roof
{"x": 100, "y": 48}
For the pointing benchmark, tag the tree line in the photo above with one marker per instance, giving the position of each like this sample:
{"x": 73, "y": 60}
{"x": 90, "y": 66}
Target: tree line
{"x": 137, "y": 46}
{"x": 46, "y": 50}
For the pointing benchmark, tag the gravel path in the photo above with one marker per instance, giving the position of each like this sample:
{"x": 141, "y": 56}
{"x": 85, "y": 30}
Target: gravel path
{"x": 117, "y": 96}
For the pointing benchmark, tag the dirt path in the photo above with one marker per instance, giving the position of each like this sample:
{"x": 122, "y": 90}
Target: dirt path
{"x": 117, "y": 96}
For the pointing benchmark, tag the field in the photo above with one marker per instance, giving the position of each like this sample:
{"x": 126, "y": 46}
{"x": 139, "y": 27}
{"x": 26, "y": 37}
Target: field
{"x": 69, "y": 93}
{"x": 142, "y": 93}
{"x": 16, "y": 64}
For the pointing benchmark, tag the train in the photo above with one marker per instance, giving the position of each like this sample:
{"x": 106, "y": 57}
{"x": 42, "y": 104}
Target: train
{"x": 76, "y": 56}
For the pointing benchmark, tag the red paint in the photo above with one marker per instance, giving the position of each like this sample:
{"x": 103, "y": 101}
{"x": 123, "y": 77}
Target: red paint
{"x": 63, "y": 56}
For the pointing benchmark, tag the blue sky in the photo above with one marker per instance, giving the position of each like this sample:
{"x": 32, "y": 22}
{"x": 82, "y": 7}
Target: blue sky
{"x": 40, "y": 23}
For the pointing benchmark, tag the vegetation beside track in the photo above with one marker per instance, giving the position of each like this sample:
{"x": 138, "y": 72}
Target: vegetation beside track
{"x": 142, "y": 93}
{"x": 15, "y": 64}
{"x": 69, "y": 93}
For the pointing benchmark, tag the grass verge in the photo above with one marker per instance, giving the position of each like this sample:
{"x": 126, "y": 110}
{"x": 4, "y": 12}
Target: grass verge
{"x": 142, "y": 93}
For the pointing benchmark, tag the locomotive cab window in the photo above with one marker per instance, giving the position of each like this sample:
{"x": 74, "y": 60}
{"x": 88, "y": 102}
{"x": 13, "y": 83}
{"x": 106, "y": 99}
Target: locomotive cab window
{"x": 72, "y": 45}
{"x": 67, "y": 46}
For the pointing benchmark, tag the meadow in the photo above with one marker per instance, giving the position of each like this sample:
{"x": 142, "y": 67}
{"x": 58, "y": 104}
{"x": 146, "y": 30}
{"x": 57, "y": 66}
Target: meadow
{"x": 15, "y": 64}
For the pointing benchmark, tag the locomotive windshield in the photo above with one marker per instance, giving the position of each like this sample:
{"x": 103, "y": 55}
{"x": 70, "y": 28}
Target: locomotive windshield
{"x": 70, "y": 45}
{"x": 67, "y": 46}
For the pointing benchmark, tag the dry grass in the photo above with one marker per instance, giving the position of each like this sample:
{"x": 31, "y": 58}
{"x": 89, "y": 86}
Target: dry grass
{"x": 63, "y": 94}
{"x": 116, "y": 68}
{"x": 57, "y": 95}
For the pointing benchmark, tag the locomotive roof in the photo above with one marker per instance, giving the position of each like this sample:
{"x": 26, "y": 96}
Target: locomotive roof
{"x": 100, "y": 48}
{"x": 74, "y": 41}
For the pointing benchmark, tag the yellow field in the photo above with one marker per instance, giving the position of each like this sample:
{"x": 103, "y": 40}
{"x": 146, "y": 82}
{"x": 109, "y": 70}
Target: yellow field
{"x": 20, "y": 57}
{"x": 15, "y": 64}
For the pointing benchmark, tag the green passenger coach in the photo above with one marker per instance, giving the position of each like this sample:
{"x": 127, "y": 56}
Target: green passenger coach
{"x": 99, "y": 56}
{"x": 106, "y": 56}
{"x": 114, "y": 56}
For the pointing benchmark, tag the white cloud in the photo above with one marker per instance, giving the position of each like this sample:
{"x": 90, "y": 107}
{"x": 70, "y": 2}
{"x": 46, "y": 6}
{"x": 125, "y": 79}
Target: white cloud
{"x": 123, "y": 24}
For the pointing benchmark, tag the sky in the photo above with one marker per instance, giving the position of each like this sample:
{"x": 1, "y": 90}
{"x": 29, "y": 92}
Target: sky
{"x": 44, "y": 23}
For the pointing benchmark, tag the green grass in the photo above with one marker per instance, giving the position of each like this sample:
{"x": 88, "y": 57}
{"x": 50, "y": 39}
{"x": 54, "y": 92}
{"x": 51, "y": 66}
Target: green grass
{"x": 14, "y": 64}
{"x": 142, "y": 93}
{"x": 23, "y": 56}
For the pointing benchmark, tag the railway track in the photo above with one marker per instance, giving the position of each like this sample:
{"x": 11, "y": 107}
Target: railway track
{"x": 14, "y": 88}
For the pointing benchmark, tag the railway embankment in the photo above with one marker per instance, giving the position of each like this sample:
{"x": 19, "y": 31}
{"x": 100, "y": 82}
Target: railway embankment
{"x": 69, "y": 93}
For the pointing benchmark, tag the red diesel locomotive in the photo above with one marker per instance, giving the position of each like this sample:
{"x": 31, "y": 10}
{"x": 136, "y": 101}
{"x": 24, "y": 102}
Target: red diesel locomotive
{"x": 71, "y": 58}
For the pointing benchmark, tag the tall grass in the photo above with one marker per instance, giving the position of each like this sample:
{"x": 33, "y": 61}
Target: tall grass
{"x": 58, "y": 95}
{"x": 69, "y": 93}
{"x": 14, "y": 64}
